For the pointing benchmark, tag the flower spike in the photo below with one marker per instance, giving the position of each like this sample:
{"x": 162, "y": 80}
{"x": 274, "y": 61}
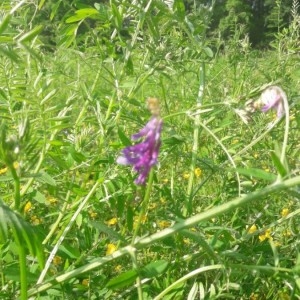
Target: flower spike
{"x": 143, "y": 156}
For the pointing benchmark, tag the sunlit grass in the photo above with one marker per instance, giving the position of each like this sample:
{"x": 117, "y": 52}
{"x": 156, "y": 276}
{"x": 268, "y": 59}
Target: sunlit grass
{"x": 189, "y": 232}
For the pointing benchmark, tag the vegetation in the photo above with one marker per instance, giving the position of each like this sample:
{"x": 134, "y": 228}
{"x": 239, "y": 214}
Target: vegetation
{"x": 219, "y": 215}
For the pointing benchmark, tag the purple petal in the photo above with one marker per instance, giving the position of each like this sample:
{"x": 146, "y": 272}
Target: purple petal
{"x": 143, "y": 156}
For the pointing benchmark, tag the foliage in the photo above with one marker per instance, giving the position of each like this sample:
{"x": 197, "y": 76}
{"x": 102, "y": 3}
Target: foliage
{"x": 219, "y": 216}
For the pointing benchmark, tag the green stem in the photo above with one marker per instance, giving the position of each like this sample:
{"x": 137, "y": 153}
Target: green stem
{"x": 23, "y": 272}
{"x": 136, "y": 231}
{"x": 17, "y": 186}
{"x": 187, "y": 210}
{"x": 144, "y": 207}
{"x": 57, "y": 222}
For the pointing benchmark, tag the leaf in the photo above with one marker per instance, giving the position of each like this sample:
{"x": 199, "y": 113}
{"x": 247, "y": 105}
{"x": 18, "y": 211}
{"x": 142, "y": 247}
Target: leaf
{"x": 124, "y": 139}
{"x": 279, "y": 166}
{"x": 123, "y": 280}
{"x": 48, "y": 96}
{"x": 22, "y": 232}
{"x": 110, "y": 232}
{"x": 70, "y": 251}
{"x": 77, "y": 156}
{"x": 47, "y": 178}
{"x": 4, "y": 23}
{"x": 31, "y": 34}
{"x": 82, "y": 14}
{"x": 179, "y": 8}
{"x": 155, "y": 268}
{"x": 208, "y": 52}
{"x": 257, "y": 173}
{"x": 117, "y": 16}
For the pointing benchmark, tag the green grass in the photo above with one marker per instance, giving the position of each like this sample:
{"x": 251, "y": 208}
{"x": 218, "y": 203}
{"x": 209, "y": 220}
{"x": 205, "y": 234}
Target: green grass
{"x": 69, "y": 213}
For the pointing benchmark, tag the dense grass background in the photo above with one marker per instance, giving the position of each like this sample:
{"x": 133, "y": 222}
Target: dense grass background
{"x": 219, "y": 217}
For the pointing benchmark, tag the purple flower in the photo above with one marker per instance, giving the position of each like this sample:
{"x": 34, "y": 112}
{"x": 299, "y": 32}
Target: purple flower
{"x": 272, "y": 98}
{"x": 143, "y": 156}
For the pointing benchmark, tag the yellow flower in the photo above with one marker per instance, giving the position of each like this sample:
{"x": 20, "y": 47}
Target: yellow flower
{"x": 57, "y": 260}
{"x": 277, "y": 243}
{"x": 85, "y": 282}
{"x": 186, "y": 241}
{"x": 266, "y": 235}
{"x": 3, "y": 170}
{"x": 198, "y": 172}
{"x": 136, "y": 219}
{"x": 162, "y": 200}
{"x": 165, "y": 180}
{"x": 112, "y": 221}
{"x": 186, "y": 175}
{"x": 252, "y": 229}
{"x": 163, "y": 224}
{"x": 152, "y": 205}
{"x": 35, "y": 220}
{"x": 16, "y": 165}
{"x": 284, "y": 212}
{"x": 27, "y": 207}
{"x": 93, "y": 214}
{"x": 52, "y": 200}
{"x": 118, "y": 268}
{"x": 110, "y": 249}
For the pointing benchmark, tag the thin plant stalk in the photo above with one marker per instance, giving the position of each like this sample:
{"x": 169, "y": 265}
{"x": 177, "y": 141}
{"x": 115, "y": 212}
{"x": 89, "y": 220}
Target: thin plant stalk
{"x": 136, "y": 231}
{"x": 286, "y": 128}
{"x": 23, "y": 271}
{"x": 17, "y": 187}
{"x": 188, "y": 206}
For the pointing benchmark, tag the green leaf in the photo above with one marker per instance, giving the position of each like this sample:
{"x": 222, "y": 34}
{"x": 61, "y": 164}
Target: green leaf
{"x": 123, "y": 280}
{"x": 107, "y": 230}
{"x": 124, "y": 139}
{"x": 208, "y": 52}
{"x": 77, "y": 156}
{"x": 31, "y": 34}
{"x": 21, "y": 231}
{"x": 4, "y": 23}
{"x": 70, "y": 251}
{"x": 47, "y": 178}
{"x": 10, "y": 54}
{"x": 279, "y": 166}
{"x": 117, "y": 16}
{"x": 155, "y": 268}
{"x": 257, "y": 173}
{"x": 179, "y": 9}
{"x": 82, "y": 14}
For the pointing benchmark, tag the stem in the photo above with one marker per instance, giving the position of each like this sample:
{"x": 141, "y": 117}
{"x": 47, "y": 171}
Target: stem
{"x": 23, "y": 271}
{"x": 136, "y": 231}
{"x": 187, "y": 210}
{"x": 144, "y": 207}
{"x": 17, "y": 186}
{"x": 287, "y": 126}
{"x": 57, "y": 222}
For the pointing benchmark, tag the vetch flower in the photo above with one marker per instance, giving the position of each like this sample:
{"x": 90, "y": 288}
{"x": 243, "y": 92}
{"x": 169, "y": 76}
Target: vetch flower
{"x": 273, "y": 98}
{"x": 143, "y": 156}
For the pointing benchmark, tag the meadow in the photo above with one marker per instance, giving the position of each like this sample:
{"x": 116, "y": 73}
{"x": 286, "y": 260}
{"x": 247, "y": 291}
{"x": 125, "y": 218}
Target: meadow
{"x": 218, "y": 215}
